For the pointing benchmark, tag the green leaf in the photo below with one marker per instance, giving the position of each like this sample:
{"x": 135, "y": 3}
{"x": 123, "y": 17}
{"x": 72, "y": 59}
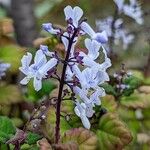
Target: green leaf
{"x": 12, "y": 54}
{"x": 136, "y": 100}
{"x": 29, "y": 147}
{"x": 48, "y": 127}
{"x": 140, "y": 75}
{"x": 7, "y": 129}
{"x": 133, "y": 83}
{"x": 17, "y": 122}
{"x": 109, "y": 89}
{"x": 9, "y": 94}
{"x": 47, "y": 87}
{"x": 85, "y": 139}
{"x": 109, "y": 103}
{"x": 112, "y": 133}
{"x": 32, "y": 138}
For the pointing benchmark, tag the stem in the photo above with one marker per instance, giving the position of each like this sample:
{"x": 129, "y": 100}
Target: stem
{"x": 61, "y": 85}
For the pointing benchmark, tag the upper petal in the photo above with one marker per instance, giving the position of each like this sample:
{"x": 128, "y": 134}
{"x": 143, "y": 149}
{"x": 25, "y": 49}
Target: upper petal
{"x": 39, "y": 59}
{"x": 68, "y": 11}
{"x": 26, "y": 60}
{"x": 77, "y": 14}
{"x": 93, "y": 48}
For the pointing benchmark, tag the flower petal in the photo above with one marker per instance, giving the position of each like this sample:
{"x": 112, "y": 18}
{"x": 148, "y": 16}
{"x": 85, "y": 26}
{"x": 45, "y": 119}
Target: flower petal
{"x": 101, "y": 37}
{"x": 85, "y": 121}
{"x": 24, "y": 81}
{"x": 37, "y": 83}
{"x": 68, "y": 12}
{"x": 49, "y": 65}
{"x": 77, "y": 14}
{"x": 93, "y": 48}
{"x": 65, "y": 40}
{"x": 87, "y": 29}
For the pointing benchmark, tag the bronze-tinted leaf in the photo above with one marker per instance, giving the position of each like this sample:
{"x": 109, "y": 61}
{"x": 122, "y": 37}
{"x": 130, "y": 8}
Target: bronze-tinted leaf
{"x": 85, "y": 139}
{"x": 136, "y": 100}
{"x": 112, "y": 133}
{"x": 109, "y": 103}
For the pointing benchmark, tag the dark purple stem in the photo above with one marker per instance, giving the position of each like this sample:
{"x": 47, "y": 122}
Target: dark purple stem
{"x": 61, "y": 85}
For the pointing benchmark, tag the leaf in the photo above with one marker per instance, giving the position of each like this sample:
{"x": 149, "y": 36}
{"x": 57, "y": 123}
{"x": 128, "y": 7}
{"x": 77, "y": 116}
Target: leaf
{"x": 47, "y": 87}
{"x": 136, "y": 100}
{"x": 133, "y": 83}
{"x": 140, "y": 75}
{"x": 29, "y": 147}
{"x": 67, "y": 146}
{"x": 67, "y": 106}
{"x": 12, "y": 54}
{"x": 44, "y": 145}
{"x": 144, "y": 89}
{"x": 7, "y": 129}
{"x": 85, "y": 139}
{"x": 112, "y": 133}
{"x": 109, "y": 103}
{"x": 109, "y": 89}
{"x": 32, "y": 138}
{"x": 17, "y": 122}
{"x": 18, "y": 138}
{"x": 9, "y": 94}
{"x": 49, "y": 124}
{"x": 129, "y": 117}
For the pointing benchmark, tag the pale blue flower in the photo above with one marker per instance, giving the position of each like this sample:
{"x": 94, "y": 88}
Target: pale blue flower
{"x": 80, "y": 111}
{"x": 94, "y": 98}
{"x": 100, "y": 37}
{"x": 73, "y": 14}
{"x": 38, "y": 70}
{"x": 105, "y": 24}
{"x": 94, "y": 77}
{"x": 134, "y": 11}
{"x": 82, "y": 93}
{"x": 49, "y": 28}
{"x": 90, "y": 100}
{"x": 124, "y": 36}
{"x": 45, "y": 50}
{"x": 93, "y": 48}
{"x": 120, "y": 4}
{"x": 87, "y": 60}
{"x": 3, "y": 68}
